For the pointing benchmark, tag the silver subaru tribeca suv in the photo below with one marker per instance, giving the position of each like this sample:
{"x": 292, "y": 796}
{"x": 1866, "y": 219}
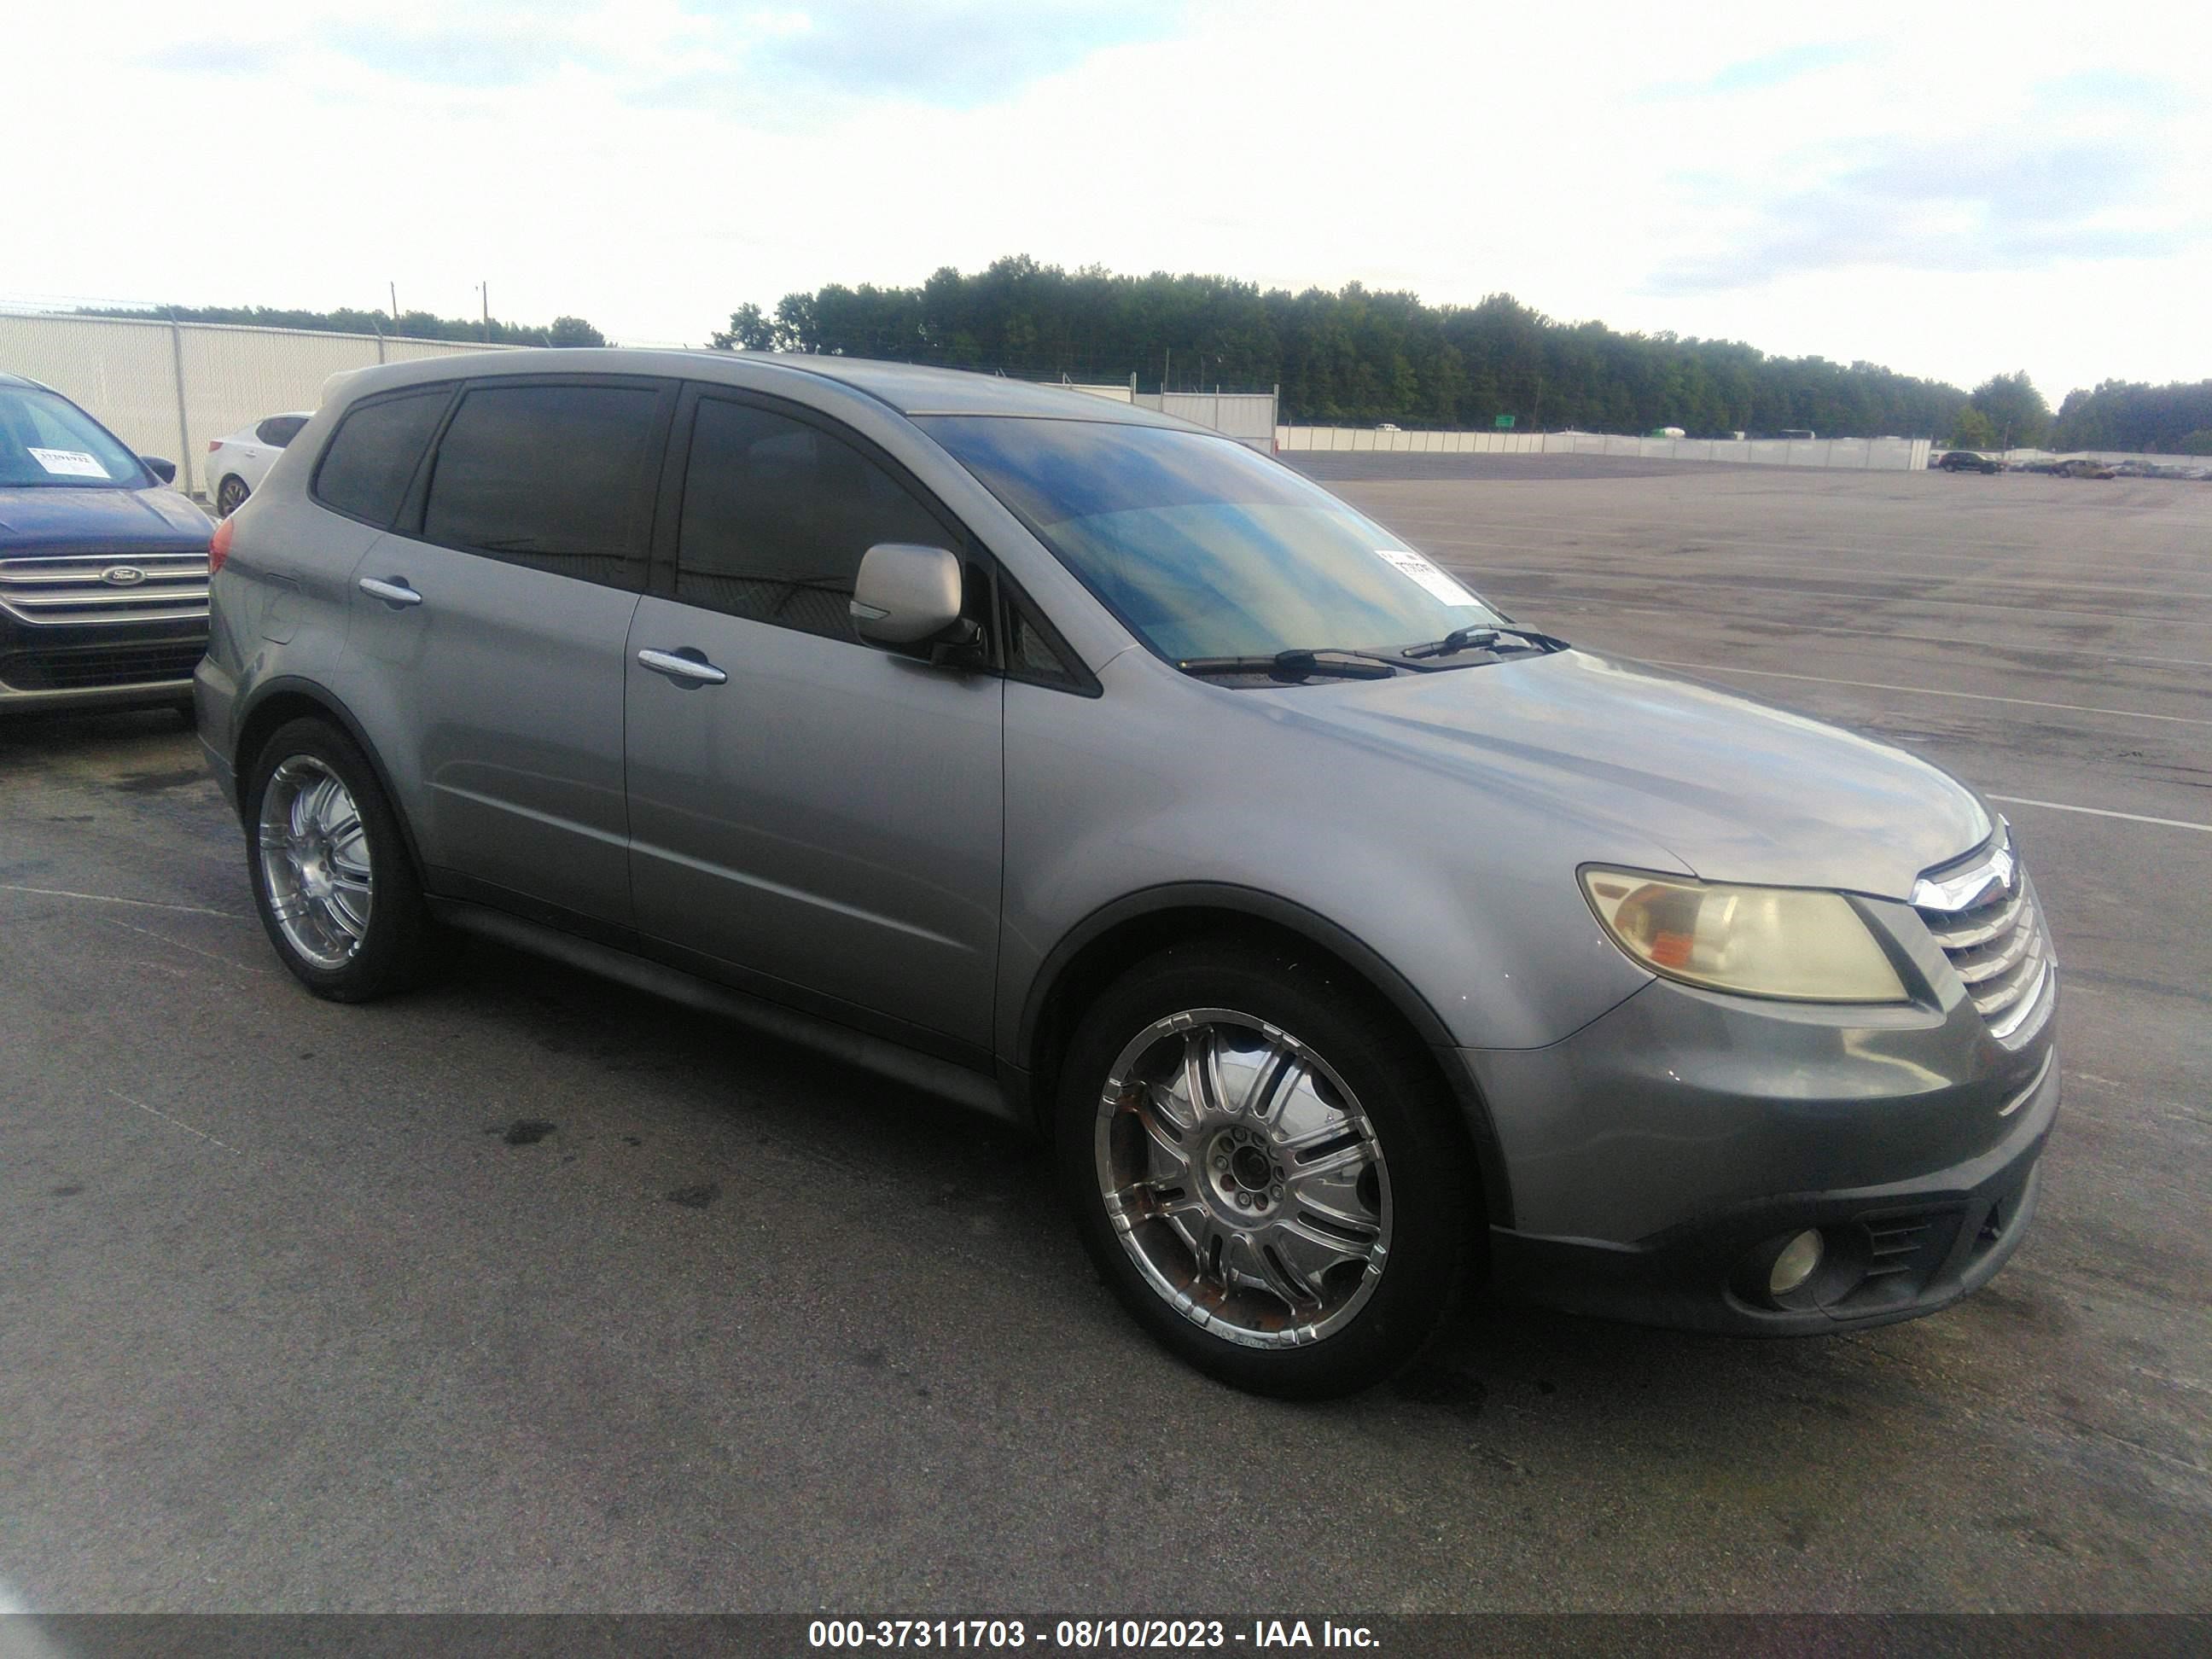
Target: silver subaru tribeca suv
{"x": 1352, "y": 944}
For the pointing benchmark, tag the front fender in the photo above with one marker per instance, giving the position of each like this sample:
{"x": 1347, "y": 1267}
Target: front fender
{"x": 1471, "y": 899}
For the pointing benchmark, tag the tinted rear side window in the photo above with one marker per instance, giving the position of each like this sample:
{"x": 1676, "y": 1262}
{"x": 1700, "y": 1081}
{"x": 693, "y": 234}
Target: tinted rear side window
{"x": 280, "y": 430}
{"x": 366, "y": 470}
{"x": 777, "y": 514}
{"x": 545, "y": 476}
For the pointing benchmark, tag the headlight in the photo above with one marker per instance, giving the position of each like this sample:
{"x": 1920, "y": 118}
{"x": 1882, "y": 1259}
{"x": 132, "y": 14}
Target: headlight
{"x": 1760, "y": 941}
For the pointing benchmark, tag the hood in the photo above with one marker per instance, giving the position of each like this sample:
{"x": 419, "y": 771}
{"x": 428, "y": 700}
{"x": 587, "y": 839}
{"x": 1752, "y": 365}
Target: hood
{"x": 1735, "y": 789}
{"x": 45, "y": 520}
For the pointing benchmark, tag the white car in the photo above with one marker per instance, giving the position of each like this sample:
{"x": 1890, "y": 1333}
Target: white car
{"x": 237, "y": 465}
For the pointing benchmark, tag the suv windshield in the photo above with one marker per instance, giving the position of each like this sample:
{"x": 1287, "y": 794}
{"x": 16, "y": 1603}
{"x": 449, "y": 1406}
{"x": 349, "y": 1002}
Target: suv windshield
{"x": 44, "y": 438}
{"x": 1202, "y": 547}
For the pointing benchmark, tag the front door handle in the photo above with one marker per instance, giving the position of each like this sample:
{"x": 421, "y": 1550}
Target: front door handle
{"x": 685, "y": 668}
{"x": 395, "y": 593}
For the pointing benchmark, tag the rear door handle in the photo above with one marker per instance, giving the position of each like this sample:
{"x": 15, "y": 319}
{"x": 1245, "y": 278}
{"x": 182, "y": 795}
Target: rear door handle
{"x": 395, "y": 593}
{"x": 685, "y": 668}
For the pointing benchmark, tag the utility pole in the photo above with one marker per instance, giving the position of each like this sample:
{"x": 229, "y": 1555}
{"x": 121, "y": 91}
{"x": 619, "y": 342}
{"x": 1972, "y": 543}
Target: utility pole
{"x": 1167, "y": 363}
{"x": 395, "y": 306}
{"x": 483, "y": 290}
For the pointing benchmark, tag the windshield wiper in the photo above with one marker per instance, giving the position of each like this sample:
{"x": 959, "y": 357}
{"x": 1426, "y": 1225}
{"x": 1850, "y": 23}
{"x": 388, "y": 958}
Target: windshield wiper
{"x": 1291, "y": 666}
{"x": 1485, "y": 638}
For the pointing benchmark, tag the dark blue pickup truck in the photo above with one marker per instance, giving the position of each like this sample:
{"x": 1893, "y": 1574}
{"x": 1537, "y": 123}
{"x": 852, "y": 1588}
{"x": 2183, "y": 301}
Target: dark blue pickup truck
{"x": 103, "y": 567}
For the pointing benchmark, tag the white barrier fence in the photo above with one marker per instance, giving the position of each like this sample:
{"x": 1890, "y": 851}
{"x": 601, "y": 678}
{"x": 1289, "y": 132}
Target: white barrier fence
{"x": 1854, "y": 455}
{"x": 2108, "y": 457}
{"x": 169, "y": 388}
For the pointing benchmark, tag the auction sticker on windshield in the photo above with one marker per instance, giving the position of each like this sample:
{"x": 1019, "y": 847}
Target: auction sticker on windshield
{"x": 69, "y": 463}
{"x": 1410, "y": 564}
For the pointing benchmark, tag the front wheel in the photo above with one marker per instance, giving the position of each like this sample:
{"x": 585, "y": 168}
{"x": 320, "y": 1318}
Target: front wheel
{"x": 1267, "y": 1169}
{"x": 332, "y": 880}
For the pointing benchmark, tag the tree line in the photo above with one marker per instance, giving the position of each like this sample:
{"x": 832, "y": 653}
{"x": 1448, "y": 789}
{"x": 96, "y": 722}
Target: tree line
{"x": 1355, "y": 356}
{"x": 2168, "y": 420}
{"x": 1359, "y": 357}
{"x": 410, "y": 325}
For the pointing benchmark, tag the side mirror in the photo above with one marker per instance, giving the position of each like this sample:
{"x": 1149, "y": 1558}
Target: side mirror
{"x": 165, "y": 471}
{"x": 908, "y": 597}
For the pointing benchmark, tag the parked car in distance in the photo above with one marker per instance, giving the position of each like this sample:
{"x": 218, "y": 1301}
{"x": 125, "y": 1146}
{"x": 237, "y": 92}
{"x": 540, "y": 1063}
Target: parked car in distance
{"x": 1965, "y": 460}
{"x": 2082, "y": 467}
{"x": 1352, "y": 944}
{"x": 1386, "y": 425}
{"x": 103, "y": 567}
{"x": 236, "y": 465}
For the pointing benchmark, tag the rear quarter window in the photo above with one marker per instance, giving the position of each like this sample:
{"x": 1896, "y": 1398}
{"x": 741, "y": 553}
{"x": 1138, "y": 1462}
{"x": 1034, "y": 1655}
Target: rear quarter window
{"x": 371, "y": 457}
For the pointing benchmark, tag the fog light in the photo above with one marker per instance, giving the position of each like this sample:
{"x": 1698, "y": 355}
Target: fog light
{"x": 1799, "y": 1257}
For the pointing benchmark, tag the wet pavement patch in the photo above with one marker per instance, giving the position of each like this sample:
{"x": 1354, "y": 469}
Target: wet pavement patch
{"x": 524, "y": 1131}
{"x": 155, "y": 783}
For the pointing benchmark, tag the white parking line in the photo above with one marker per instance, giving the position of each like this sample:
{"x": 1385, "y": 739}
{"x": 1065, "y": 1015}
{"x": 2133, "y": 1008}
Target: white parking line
{"x": 1930, "y": 691}
{"x": 2102, "y": 812}
{"x": 179, "y": 944}
{"x": 1819, "y": 559}
{"x": 1479, "y": 573}
{"x": 157, "y": 1112}
{"x": 1598, "y": 602}
{"x": 108, "y": 898}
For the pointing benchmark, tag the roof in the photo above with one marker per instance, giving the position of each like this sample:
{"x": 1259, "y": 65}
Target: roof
{"x": 912, "y": 389}
{"x": 906, "y": 387}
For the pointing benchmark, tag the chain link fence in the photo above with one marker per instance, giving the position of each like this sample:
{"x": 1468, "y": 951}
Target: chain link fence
{"x": 168, "y": 389}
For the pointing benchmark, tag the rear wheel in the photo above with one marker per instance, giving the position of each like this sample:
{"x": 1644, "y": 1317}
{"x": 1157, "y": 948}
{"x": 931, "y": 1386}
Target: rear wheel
{"x": 230, "y": 495}
{"x": 1266, "y": 1168}
{"x": 332, "y": 880}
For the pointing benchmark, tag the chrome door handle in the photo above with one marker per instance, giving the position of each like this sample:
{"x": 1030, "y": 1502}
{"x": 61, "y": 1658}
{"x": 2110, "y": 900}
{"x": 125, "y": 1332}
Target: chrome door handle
{"x": 692, "y": 671}
{"x": 391, "y": 592}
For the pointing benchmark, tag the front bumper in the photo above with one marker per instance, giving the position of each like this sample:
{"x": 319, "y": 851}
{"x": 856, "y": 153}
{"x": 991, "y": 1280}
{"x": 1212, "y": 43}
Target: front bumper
{"x": 1656, "y": 1161}
{"x": 120, "y": 666}
{"x": 1892, "y": 1251}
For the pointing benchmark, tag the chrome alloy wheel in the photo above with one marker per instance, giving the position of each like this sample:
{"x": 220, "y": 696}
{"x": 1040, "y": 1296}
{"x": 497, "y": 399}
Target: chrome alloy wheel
{"x": 315, "y": 862}
{"x": 1242, "y": 1178}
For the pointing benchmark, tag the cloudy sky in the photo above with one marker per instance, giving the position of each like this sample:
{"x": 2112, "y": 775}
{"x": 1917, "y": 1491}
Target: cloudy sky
{"x": 1949, "y": 189}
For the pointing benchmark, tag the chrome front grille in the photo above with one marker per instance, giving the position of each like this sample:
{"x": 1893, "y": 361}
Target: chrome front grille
{"x": 1983, "y": 912}
{"x": 91, "y": 590}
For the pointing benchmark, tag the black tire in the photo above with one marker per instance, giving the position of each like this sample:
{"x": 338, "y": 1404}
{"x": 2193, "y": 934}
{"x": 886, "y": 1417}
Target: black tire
{"x": 394, "y": 948}
{"x": 230, "y": 495}
{"x": 1434, "y": 1198}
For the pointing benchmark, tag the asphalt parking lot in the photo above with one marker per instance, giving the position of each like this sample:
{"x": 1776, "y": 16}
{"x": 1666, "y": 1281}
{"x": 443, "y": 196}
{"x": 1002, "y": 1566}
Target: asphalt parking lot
{"x": 527, "y": 1292}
